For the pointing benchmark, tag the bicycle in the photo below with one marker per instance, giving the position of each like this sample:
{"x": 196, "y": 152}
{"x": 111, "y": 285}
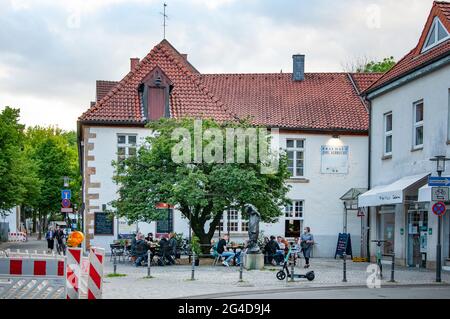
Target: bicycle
{"x": 378, "y": 255}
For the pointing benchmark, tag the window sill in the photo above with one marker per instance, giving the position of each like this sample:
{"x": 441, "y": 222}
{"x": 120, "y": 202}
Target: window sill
{"x": 298, "y": 180}
{"x": 416, "y": 148}
{"x": 386, "y": 157}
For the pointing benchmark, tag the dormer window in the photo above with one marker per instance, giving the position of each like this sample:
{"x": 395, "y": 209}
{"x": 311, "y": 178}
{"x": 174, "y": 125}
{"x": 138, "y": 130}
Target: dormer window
{"x": 436, "y": 35}
{"x": 154, "y": 92}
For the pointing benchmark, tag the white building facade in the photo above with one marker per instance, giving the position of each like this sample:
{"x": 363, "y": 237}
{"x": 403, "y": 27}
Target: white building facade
{"x": 409, "y": 125}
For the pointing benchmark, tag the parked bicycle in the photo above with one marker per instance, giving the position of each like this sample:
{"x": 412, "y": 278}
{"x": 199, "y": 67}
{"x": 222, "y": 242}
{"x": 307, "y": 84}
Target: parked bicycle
{"x": 378, "y": 255}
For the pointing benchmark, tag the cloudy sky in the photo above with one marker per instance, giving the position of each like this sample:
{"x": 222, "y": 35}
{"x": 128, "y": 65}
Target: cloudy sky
{"x": 52, "y": 51}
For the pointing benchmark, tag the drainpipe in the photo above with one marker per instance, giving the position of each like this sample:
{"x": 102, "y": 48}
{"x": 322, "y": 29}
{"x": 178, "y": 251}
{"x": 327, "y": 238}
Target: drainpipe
{"x": 369, "y": 107}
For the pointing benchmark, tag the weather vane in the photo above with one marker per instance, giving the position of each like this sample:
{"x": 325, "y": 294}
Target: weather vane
{"x": 165, "y": 16}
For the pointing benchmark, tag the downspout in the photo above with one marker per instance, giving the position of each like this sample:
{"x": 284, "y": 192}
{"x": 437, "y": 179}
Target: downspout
{"x": 369, "y": 165}
{"x": 81, "y": 163}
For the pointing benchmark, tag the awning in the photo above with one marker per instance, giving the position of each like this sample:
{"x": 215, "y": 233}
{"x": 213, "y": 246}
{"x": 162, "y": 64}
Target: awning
{"x": 389, "y": 194}
{"x": 425, "y": 193}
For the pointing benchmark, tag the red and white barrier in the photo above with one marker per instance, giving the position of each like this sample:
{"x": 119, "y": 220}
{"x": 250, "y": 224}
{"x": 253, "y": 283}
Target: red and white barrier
{"x": 96, "y": 260}
{"x": 26, "y": 277}
{"x": 18, "y": 236}
{"x": 31, "y": 267}
{"x": 73, "y": 272}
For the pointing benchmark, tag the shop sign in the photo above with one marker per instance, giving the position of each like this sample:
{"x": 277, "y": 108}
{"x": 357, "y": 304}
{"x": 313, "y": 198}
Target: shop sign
{"x": 334, "y": 159}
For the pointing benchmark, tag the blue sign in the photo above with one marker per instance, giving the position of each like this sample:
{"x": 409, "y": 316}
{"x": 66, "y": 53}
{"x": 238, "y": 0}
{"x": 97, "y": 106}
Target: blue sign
{"x": 66, "y": 194}
{"x": 438, "y": 181}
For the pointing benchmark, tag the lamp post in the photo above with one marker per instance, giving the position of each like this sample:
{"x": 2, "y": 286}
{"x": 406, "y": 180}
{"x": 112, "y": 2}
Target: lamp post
{"x": 440, "y": 167}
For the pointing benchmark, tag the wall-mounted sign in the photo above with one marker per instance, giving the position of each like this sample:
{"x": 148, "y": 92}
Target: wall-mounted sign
{"x": 440, "y": 193}
{"x": 334, "y": 159}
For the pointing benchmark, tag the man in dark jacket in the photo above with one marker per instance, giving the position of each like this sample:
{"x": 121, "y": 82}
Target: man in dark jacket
{"x": 173, "y": 246}
{"x": 272, "y": 249}
{"x": 141, "y": 249}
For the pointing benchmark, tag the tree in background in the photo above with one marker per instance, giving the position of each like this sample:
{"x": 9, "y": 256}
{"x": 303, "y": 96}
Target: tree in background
{"x": 54, "y": 154}
{"x": 200, "y": 191}
{"x": 363, "y": 64}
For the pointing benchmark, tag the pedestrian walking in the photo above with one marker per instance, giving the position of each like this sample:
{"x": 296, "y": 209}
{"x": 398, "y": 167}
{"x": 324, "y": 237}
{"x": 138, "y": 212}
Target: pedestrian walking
{"x": 50, "y": 236}
{"x": 306, "y": 244}
{"x": 59, "y": 236}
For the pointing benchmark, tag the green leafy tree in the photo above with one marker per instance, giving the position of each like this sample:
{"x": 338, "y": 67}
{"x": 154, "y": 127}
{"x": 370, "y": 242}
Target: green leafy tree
{"x": 12, "y": 190}
{"x": 200, "y": 191}
{"x": 380, "y": 66}
{"x": 54, "y": 155}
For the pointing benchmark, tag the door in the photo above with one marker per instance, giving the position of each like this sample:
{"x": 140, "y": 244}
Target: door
{"x": 417, "y": 238}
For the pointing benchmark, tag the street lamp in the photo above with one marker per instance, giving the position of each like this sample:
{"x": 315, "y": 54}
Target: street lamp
{"x": 440, "y": 163}
{"x": 440, "y": 167}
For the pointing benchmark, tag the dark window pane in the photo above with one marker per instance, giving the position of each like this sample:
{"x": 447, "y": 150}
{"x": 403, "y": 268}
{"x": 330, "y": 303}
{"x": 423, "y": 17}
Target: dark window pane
{"x": 121, "y": 151}
{"x": 132, "y": 139}
{"x": 419, "y": 135}
{"x": 388, "y": 122}
{"x": 299, "y": 143}
{"x": 442, "y": 34}
{"x": 388, "y": 146}
{"x": 121, "y": 139}
{"x": 431, "y": 39}
{"x": 131, "y": 151}
{"x": 419, "y": 112}
{"x": 289, "y": 143}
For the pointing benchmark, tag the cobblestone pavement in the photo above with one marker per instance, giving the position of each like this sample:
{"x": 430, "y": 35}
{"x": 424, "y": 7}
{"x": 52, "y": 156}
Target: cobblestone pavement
{"x": 174, "y": 281}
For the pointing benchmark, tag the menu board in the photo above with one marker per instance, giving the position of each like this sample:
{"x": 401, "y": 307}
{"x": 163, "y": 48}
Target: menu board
{"x": 103, "y": 224}
{"x": 344, "y": 245}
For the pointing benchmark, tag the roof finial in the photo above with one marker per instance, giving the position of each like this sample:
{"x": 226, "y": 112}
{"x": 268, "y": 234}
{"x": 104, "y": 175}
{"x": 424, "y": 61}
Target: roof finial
{"x": 165, "y": 16}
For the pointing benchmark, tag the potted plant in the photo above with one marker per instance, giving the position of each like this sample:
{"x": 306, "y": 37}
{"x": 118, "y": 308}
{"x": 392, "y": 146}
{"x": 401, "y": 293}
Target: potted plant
{"x": 196, "y": 249}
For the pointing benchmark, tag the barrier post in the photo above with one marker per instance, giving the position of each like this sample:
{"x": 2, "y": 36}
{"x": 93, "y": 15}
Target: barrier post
{"x": 345, "y": 267}
{"x": 241, "y": 266}
{"x": 115, "y": 264}
{"x": 148, "y": 263}
{"x": 73, "y": 273}
{"x": 392, "y": 268}
{"x": 193, "y": 266}
{"x": 95, "y": 285}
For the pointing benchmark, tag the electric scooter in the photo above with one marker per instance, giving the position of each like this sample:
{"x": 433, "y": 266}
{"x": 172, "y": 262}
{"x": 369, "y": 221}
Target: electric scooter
{"x": 281, "y": 275}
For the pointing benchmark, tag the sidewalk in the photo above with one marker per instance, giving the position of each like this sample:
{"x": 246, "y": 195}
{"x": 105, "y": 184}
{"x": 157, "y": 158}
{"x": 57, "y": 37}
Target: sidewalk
{"x": 174, "y": 281}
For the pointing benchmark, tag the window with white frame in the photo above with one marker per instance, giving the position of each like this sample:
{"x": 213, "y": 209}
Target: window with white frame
{"x": 387, "y": 144}
{"x": 418, "y": 124}
{"x": 295, "y": 151}
{"x": 232, "y": 222}
{"x": 436, "y": 35}
{"x": 126, "y": 146}
{"x": 293, "y": 218}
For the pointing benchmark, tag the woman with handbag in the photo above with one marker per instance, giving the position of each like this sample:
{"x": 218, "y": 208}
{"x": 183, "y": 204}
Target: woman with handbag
{"x": 306, "y": 244}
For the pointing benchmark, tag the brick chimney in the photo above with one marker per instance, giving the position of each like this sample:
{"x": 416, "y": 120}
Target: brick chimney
{"x": 133, "y": 63}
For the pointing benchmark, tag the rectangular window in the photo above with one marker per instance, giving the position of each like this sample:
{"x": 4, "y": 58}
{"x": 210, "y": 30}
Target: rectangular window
{"x": 296, "y": 156}
{"x": 418, "y": 124}
{"x": 388, "y": 134}
{"x": 165, "y": 224}
{"x": 232, "y": 222}
{"x": 126, "y": 146}
{"x": 293, "y": 218}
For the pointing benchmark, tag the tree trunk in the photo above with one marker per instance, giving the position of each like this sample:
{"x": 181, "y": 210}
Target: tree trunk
{"x": 34, "y": 221}
{"x": 40, "y": 226}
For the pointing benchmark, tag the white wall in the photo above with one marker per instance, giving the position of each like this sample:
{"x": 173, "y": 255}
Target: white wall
{"x": 433, "y": 89}
{"x": 323, "y": 210}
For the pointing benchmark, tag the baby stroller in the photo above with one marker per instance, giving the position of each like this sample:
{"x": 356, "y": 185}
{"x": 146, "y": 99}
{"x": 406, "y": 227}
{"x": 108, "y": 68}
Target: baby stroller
{"x": 281, "y": 275}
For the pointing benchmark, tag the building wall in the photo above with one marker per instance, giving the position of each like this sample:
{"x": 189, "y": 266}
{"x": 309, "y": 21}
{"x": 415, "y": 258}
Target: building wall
{"x": 323, "y": 210}
{"x": 433, "y": 89}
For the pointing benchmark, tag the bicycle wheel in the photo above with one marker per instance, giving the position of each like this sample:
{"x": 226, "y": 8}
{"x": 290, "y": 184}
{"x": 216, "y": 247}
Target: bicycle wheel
{"x": 281, "y": 275}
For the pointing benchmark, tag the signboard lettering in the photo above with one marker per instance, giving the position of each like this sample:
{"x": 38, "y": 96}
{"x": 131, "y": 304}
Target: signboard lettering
{"x": 334, "y": 159}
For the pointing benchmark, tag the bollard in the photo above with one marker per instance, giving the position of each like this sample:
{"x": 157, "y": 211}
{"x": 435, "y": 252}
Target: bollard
{"x": 345, "y": 267}
{"x": 115, "y": 264}
{"x": 392, "y": 268}
{"x": 241, "y": 266}
{"x": 193, "y": 266}
{"x": 292, "y": 271}
{"x": 149, "y": 259}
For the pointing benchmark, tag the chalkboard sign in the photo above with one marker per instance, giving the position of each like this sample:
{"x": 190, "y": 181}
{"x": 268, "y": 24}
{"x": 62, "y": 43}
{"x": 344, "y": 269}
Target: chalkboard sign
{"x": 103, "y": 224}
{"x": 344, "y": 245}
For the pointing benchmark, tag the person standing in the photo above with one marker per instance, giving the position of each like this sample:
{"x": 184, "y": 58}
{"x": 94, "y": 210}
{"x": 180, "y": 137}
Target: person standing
{"x": 50, "y": 236}
{"x": 59, "y": 236}
{"x": 172, "y": 247}
{"x": 306, "y": 244}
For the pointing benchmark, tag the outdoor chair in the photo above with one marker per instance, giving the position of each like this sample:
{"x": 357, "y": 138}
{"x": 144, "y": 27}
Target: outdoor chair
{"x": 216, "y": 255}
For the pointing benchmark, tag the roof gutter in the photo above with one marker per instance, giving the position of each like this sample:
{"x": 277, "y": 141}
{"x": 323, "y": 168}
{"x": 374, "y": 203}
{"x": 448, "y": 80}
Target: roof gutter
{"x": 322, "y": 130}
{"x": 417, "y": 72}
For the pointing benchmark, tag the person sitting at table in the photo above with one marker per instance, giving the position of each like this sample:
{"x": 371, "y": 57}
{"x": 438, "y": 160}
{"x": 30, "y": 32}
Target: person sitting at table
{"x": 274, "y": 251}
{"x": 173, "y": 246}
{"x": 164, "y": 252}
{"x": 149, "y": 237}
{"x": 224, "y": 252}
{"x": 141, "y": 250}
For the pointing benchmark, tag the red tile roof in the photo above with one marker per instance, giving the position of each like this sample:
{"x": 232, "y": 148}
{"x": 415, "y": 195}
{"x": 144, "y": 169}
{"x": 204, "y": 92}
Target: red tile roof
{"x": 416, "y": 59}
{"x": 323, "y": 101}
